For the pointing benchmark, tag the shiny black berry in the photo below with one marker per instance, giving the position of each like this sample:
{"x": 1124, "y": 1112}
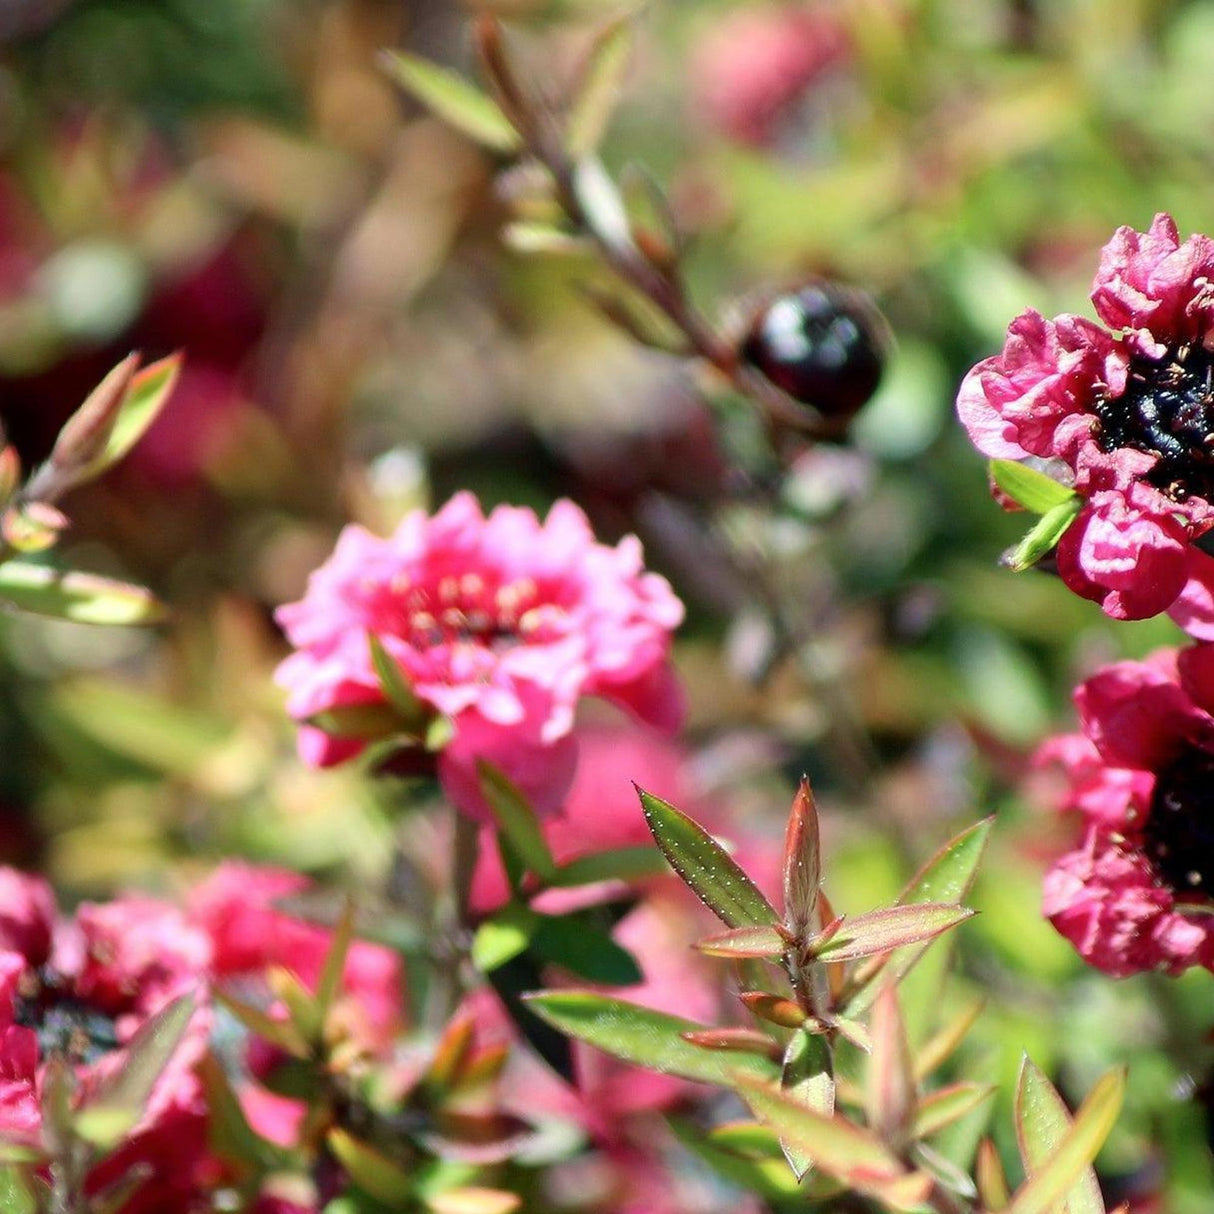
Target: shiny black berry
{"x": 823, "y": 345}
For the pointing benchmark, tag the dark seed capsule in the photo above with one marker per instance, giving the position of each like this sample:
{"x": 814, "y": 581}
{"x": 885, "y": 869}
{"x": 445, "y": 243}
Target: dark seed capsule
{"x": 823, "y": 345}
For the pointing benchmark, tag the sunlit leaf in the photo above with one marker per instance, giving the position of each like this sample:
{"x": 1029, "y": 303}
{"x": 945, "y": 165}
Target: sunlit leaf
{"x": 1027, "y": 486}
{"x": 644, "y": 1037}
{"x": 806, "y": 1076}
{"x": 769, "y": 1177}
{"x": 745, "y": 942}
{"x": 745, "y": 1041}
{"x": 1043, "y": 537}
{"x": 230, "y": 1135}
{"x": 1064, "y": 1168}
{"x": 86, "y": 598}
{"x": 599, "y": 88}
{"x": 282, "y": 1033}
{"x": 329, "y": 982}
{"x": 940, "y": 1046}
{"x": 802, "y": 862}
{"x": 989, "y": 1177}
{"x": 371, "y": 1170}
{"x": 1042, "y": 1120}
{"x": 892, "y": 927}
{"x": 774, "y": 1008}
{"x": 706, "y": 867}
{"x": 474, "y": 1201}
{"x": 890, "y": 1091}
{"x": 504, "y": 936}
{"x": 454, "y": 100}
{"x": 148, "y": 393}
{"x": 947, "y": 1105}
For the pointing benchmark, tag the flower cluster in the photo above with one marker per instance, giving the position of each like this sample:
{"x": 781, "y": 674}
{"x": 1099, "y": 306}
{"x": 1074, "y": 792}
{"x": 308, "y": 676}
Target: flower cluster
{"x": 500, "y": 623}
{"x": 1136, "y": 893}
{"x": 1123, "y": 413}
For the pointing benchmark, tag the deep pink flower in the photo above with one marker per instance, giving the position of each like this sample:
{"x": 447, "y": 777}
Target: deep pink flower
{"x": 235, "y": 908}
{"x": 1137, "y": 892}
{"x": 82, "y": 988}
{"x": 500, "y": 623}
{"x": 1126, "y": 414}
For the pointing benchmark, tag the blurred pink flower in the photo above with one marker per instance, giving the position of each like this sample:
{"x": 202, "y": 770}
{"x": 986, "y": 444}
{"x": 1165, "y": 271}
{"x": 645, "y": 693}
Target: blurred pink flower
{"x": 235, "y": 908}
{"x": 1124, "y": 411}
{"x": 82, "y": 988}
{"x": 1135, "y": 895}
{"x": 501, "y": 623}
{"x": 755, "y": 63}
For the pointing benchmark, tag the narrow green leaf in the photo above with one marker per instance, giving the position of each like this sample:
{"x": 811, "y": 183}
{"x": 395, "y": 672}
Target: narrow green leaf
{"x": 946, "y": 1105}
{"x": 706, "y": 867}
{"x": 941, "y": 1045}
{"x": 230, "y": 1135}
{"x": 516, "y": 820}
{"x": 17, "y": 1194}
{"x": 890, "y": 1095}
{"x": 619, "y": 864}
{"x": 301, "y": 1002}
{"x": 147, "y": 395}
{"x": 86, "y": 598}
{"x": 599, "y": 88}
{"x": 644, "y": 1037}
{"x": 989, "y": 1177}
{"x": 1042, "y": 1121}
{"x": 1042, "y": 538}
{"x": 373, "y": 1172}
{"x": 807, "y": 1076}
{"x": 1031, "y": 489}
{"x": 892, "y": 927}
{"x": 414, "y": 714}
{"x": 1064, "y": 1168}
{"x": 768, "y": 1177}
{"x": 745, "y": 942}
{"x": 329, "y": 982}
{"x": 579, "y": 946}
{"x": 120, "y": 1101}
{"x": 454, "y": 100}
{"x": 504, "y": 936}
{"x": 374, "y": 720}
{"x": 281, "y": 1033}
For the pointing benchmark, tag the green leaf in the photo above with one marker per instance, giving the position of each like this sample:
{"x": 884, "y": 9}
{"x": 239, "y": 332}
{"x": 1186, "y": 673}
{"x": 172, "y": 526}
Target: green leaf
{"x": 835, "y": 1145}
{"x": 329, "y": 982}
{"x": 392, "y": 682}
{"x": 121, "y": 1100}
{"x": 578, "y": 945}
{"x": 373, "y": 1172}
{"x": 946, "y": 1105}
{"x": 619, "y": 864}
{"x": 892, "y": 927}
{"x": 516, "y": 821}
{"x": 807, "y": 1076}
{"x": 706, "y": 867}
{"x": 768, "y": 1177}
{"x": 599, "y": 88}
{"x": 86, "y": 598}
{"x": 1064, "y": 1168}
{"x": 745, "y": 942}
{"x": 644, "y": 1037}
{"x": 1043, "y": 538}
{"x": 17, "y": 1194}
{"x": 1027, "y": 486}
{"x": 1042, "y": 1121}
{"x": 454, "y": 100}
{"x": 281, "y": 1033}
{"x": 946, "y": 877}
{"x": 504, "y": 936}
{"x": 375, "y": 720}
{"x": 147, "y": 395}
{"x": 230, "y": 1135}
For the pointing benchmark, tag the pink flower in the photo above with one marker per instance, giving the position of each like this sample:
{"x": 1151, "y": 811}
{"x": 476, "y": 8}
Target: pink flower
{"x": 1137, "y": 892}
{"x": 500, "y": 623}
{"x": 755, "y": 64}
{"x": 1124, "y": 412}
{"x": 82, "y": 988}
{"x": 235, "y": 908}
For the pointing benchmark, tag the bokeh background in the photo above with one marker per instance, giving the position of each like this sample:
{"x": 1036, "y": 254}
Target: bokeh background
{"x": 239, "y": 179}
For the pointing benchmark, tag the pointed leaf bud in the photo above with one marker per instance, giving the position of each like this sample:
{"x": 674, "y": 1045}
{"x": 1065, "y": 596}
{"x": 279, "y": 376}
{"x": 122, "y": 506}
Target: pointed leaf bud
{"x": 802, "y": 863}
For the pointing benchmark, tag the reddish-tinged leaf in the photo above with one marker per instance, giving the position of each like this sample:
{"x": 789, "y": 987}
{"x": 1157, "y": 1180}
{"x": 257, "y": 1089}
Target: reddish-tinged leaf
{"x": 990, "y": 1178}
{"x": 892, "y": 927}
{"x": 371, "y": 1170}
{"x": 774, "y": 1008}
{"x": 1058, "y": 1175}
{"x": 1042, "y": 1120}
{"x": 890, "y": 1092}
{"x": 802, "y": 863}
{"x": 744, "y": 1041}
{"x": 452, "y": 1051}
{"x": 946, "y": 1105}
{"x": 706, "y": 867}
{"x": 83, "y": 438}
{"x": 745, "y": 942}
{"x": 10, "y": 472}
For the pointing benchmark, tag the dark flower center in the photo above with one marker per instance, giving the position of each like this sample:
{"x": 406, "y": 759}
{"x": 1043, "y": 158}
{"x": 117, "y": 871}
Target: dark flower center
{"x": 1167, "y": 409}
{"x": 1179, "y": 833}
{"x": 63, "y": 1023}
